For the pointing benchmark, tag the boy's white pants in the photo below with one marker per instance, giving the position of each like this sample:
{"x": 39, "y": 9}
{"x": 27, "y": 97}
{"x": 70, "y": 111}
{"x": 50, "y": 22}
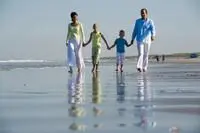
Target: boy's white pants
{"x": 143, "y": 53}
{"x": 120, "y": 58}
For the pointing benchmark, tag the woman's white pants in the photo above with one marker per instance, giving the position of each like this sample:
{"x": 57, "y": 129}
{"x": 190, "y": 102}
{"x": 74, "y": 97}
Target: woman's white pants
{"x": 74, "y": 54}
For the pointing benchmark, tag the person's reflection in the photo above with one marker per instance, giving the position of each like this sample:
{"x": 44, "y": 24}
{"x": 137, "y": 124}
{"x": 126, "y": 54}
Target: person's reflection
{"x": 75, "y": 99}
{"x": 96, "y": 96}
{"x": 120, "y": 82}
{"x": 143, "y": 108}
{"x": 120, "y": 88}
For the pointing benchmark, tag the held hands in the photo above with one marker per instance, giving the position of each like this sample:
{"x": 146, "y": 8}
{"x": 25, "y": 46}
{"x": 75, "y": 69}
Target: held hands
{"x": 152, "y": 38}
{"x": 132, "y": 41}
{"x": 129, "y": 45}
{"x": 84, "y": 44}
{"x": 109, "y": 48}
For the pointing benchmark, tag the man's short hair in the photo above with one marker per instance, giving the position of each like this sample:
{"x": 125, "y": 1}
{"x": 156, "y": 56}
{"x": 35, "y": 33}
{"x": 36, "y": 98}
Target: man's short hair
{"x": 144, "y": 9}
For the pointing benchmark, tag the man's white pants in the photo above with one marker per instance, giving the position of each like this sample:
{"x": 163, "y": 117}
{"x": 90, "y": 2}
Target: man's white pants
{"x": 143, "y": 53}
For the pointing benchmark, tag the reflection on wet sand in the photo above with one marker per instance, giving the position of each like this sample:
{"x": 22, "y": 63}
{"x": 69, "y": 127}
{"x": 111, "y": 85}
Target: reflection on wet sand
{"x": 120, "y": 82}
{"x": 96, "y": 98}
{"x": 96, "y": 89}
{"x": 75, "y": 99}
{"x": 120, "y": 88}
{"x": 144, "y": 108}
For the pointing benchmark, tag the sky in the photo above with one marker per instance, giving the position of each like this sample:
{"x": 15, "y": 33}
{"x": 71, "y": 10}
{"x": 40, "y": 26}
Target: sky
{"x": 37, "y": 29}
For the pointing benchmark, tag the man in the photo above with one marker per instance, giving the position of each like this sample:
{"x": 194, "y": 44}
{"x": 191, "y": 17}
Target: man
{"x": 144, "y": 32}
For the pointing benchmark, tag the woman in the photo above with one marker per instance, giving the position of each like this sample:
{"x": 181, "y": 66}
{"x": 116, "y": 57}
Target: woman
{"x": 74, "y": 41}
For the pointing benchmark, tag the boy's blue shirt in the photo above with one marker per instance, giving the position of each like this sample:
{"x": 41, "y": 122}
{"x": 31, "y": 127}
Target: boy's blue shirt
{"x": 120, "y": 45}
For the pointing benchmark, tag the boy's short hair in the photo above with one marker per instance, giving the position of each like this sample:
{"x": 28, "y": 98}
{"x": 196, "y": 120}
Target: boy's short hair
{"x": 73, "y": 14}
{"x": 121, "y": 31}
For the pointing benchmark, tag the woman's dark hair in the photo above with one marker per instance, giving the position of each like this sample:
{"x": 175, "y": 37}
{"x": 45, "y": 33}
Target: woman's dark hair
{"x": 144, "y": 9}
{"x": 73, "y": 14}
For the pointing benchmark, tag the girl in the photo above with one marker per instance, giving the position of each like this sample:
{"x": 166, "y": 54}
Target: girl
{"x": 95, "y": 37}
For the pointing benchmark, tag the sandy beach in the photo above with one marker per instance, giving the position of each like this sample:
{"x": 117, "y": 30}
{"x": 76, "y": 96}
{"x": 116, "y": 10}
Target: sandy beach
{"x": 46, "y": 99}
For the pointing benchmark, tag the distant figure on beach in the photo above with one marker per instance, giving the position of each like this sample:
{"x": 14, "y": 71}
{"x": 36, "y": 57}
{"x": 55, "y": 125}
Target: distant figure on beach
{"x": 144, "y": 32}
{"x": 74, "y": 41}
{"x": 120, "y": 45}
{"x": 163, "y": 58}
{"x": 95, "y": 37}
{"x": 157, "y": 58}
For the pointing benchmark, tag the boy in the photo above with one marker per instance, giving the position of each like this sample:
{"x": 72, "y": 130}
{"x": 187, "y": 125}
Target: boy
{"x": 120, "y": 43}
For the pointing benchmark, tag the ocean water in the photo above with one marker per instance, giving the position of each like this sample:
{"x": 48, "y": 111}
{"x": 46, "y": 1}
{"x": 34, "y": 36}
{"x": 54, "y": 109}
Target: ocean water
{"x": 41, "y": 97}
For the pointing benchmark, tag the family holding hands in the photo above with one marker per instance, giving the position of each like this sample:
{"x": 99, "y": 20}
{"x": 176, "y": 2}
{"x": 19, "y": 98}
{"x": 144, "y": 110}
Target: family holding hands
{"x": 143, "y": 32}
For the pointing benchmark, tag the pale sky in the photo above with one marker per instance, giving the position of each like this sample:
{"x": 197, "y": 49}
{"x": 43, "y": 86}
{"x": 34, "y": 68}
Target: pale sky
{"x": 37, "y": 29}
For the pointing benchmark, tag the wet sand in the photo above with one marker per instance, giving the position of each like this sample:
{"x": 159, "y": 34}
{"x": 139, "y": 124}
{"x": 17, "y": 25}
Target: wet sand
{"x": 49, "y": 100}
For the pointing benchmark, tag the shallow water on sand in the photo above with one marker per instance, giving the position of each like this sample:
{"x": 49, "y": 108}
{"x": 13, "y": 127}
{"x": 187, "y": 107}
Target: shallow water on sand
{"x": 49, "y": 100}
